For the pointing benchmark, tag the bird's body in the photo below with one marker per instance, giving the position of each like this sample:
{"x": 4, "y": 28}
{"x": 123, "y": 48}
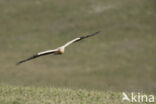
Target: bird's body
{"x": 57, "y": 51}
{"x": 60, "y": 51}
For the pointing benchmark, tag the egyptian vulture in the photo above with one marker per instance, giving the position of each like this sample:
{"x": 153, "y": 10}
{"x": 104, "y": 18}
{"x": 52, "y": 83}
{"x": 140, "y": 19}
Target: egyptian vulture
{"x": 57, "y": 51}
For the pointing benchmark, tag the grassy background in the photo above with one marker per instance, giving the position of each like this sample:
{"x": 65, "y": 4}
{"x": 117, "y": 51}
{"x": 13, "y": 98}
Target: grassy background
{"x": 38, "y": 95}
{"x": 51, "y": 95}
{"x": 121, "y": 58}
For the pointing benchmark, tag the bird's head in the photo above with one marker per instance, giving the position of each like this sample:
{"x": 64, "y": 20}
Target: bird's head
{"x": 61, "y": 50}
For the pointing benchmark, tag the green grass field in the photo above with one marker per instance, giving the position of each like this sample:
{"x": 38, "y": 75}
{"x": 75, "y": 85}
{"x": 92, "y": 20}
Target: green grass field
{"x": 27, "y": 95}
{"x": 38, "y": 95}
{"x": 121, "y": 58}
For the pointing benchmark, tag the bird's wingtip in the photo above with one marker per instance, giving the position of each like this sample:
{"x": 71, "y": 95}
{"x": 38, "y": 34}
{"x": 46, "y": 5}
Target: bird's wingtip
{"x": 18, "y": 63}
{"x": 98, "y": 32}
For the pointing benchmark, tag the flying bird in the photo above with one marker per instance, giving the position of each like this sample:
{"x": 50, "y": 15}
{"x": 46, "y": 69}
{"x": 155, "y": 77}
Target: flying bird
{"x": 57, "y": 51}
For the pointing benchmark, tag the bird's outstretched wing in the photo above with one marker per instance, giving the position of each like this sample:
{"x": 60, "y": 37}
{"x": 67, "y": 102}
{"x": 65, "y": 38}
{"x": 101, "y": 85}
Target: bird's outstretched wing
{"x": 80, "y": 38}
{"x": 37, "y": 55}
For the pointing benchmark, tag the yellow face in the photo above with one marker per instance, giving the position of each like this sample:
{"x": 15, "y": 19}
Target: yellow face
{"x": 61, "y": 51}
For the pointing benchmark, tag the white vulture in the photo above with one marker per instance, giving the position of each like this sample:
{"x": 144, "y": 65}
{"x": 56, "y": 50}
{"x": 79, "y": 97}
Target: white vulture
{"x": 57, "y": 51}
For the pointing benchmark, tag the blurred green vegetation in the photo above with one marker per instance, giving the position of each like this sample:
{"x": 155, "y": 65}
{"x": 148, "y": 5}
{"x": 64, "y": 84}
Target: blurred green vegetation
{"x": 122, "y": 57}
{"x": 45, "y": 95}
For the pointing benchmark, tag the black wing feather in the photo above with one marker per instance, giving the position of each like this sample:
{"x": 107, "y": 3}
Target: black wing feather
{"x": 30, "y": 58}
{"x": 33, "y": 57}
{"x": 83, "y": 37}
